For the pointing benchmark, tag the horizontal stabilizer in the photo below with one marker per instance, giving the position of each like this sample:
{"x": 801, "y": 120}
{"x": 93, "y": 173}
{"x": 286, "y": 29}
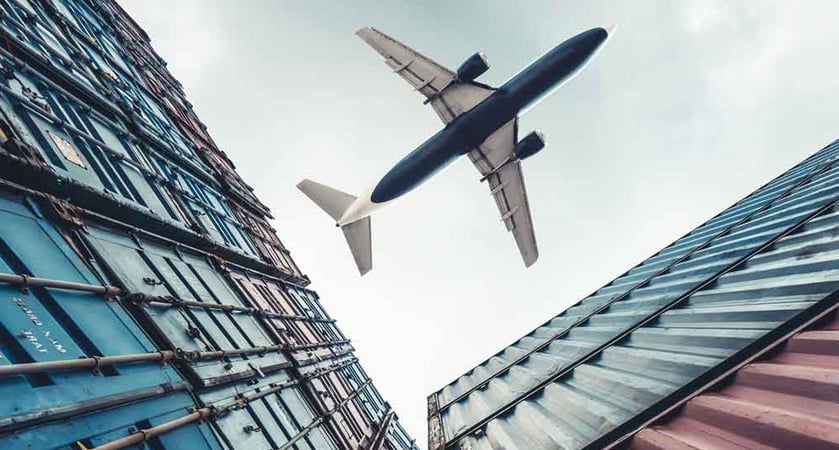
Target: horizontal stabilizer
{"x": 333, "y": 201}
{"x": 358, "y": 238}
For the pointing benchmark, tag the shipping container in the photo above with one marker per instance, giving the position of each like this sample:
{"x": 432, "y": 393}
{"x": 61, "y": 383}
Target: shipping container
{"x": 47, "y": 407}
{"x": 147, "y": 299}
{"x": 786, "y": 397}
{"x": 653, "y": 334}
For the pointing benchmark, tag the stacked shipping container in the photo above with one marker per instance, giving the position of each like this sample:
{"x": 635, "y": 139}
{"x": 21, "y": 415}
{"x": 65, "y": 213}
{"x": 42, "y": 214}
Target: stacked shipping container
{"x": 788, "y": 398}
{"x": 145, "y": 297}
{"x": 661, "y": 331}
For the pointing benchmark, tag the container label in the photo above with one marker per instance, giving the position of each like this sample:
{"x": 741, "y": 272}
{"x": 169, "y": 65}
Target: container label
{"x": 67, "y": 149}
{"x": 32, "y": 336}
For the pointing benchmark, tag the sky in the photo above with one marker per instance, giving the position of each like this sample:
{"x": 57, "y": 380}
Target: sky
{"x": 689, "y": 107}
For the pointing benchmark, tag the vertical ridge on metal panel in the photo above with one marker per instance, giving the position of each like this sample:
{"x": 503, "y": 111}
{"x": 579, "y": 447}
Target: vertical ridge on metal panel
{"x": 634, "y": 279}
{"x": 660, "y": 331}
{"x": 788, "y": 398}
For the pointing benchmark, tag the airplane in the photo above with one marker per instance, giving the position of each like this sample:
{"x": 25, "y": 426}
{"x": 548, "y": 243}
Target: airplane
{"x": 480, "y": 121}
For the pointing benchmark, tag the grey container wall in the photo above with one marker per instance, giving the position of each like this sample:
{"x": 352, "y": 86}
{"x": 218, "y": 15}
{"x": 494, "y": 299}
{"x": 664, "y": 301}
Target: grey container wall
{"x": 652, "y": 334}
{"x": 205, "y": 334}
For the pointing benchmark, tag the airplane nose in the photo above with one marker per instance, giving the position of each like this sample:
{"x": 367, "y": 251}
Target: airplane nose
{"x": 610, "y": 30}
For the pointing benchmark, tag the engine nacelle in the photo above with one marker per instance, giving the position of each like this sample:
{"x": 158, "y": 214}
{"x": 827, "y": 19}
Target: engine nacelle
{"x": 530, "y": 145}
{"x": 473, "y": 67}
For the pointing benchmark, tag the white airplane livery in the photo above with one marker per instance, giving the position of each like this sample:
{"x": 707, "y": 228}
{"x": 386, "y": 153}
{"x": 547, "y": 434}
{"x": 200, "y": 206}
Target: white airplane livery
{"x": 480, "y": 122}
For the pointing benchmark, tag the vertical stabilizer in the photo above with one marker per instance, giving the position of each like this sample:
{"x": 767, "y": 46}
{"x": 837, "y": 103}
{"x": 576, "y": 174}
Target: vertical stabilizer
{"x": 358, "y": 238}
{"x": 335, "y": 203}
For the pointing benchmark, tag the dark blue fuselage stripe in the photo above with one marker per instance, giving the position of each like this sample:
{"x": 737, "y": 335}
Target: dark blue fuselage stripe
{"x": 473, "y": 127}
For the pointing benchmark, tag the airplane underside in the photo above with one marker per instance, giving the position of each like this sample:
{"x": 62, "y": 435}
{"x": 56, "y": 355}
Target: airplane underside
{"x": 481, "y": 122}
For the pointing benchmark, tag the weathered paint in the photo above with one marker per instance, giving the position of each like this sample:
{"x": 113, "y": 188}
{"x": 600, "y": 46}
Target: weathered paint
{"x": 38, "y": 325}
{"x": 633, "y": 279}
{"x": 789, "y": 400}
{"x": 149, "y": 204}
{"x": 604, "y": 362}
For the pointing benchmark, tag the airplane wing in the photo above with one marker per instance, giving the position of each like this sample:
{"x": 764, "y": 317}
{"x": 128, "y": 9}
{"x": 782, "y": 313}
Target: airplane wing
{"x": 507, "y": 186}
{"x": 439, "y": 85}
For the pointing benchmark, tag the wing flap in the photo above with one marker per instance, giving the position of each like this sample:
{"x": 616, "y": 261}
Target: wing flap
{"x": 457, "y": 99}
{"x": 448, "y": 97}
{"x": 496, "y": 149}
{"x": 506, "y": 184}
{"x": 421, "y": 72}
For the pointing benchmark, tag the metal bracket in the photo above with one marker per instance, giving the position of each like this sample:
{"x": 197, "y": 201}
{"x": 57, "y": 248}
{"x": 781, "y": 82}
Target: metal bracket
{"x": 402, "y": 67}
{"x": 24, "y": 285}
{"x": 509, "y": 213}
{"x": 62, "y": 211}
{"x": 497, "y": 168}
{"x": 193, "y": 332}
{"x": 22, "y": 149}
{"x": 152, "y": 281}
{"x": 425, "y": 84}
{"x": 251, "y": 429}
{"x": 498, "y": 188}
{"x": 96, "y": 363}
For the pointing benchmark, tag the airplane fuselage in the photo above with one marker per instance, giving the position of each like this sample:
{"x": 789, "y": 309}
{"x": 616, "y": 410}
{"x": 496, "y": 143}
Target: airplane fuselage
{"x": 474, "y": 126}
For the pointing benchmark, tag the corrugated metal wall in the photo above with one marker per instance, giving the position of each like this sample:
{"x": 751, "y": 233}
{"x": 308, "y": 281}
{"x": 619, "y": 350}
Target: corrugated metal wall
{"x": 649, "y": 335}
{"x": 145, "y": 297}
{"x": 787, "y": 400}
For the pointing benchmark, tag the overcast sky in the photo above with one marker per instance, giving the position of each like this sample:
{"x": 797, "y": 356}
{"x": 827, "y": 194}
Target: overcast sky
{"x": 690, "y": 106}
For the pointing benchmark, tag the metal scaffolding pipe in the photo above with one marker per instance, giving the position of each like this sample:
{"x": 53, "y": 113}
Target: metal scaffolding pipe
{"x": 143, "y": 298}
{"x": 91, "y": 362}
{"x": 148, "y": 433}
{"x": 320, "y": 345}
{"x": 381, "y": 434}
{"x": 162, "y": 356}
{"x": 211, "y": 412}
{"x": 27, "y": 280}
{"x": 218, "y": 354}
{"x": 327, "y": 415}
{"x": 112, "y": 291}
{"x": 94, "y": 204}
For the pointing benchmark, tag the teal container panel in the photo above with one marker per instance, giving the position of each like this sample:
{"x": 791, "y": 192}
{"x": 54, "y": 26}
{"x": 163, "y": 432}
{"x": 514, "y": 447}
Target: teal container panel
{"x": 46, "y": 324}
{"x": 142, "y": 266}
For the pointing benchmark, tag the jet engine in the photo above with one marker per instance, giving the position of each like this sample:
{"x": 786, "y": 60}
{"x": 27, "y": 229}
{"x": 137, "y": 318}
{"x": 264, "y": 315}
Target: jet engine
{"x": 473, "y": 67}
{"x": 530, "y": 145}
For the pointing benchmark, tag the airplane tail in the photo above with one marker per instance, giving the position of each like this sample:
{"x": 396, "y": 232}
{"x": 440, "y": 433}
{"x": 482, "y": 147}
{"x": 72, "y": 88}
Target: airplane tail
{"x": 335, "y": 203}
